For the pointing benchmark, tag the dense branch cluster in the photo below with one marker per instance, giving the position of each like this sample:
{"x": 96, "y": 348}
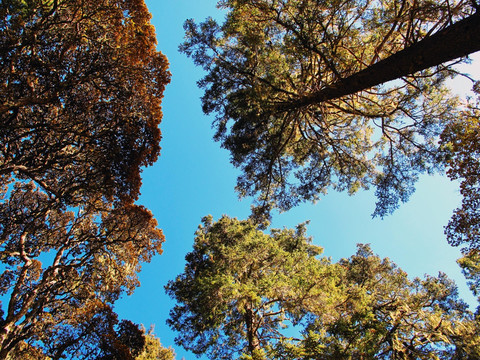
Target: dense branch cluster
{"x": 303, "y": 96}
{"x": 81, "y": 87}
{"x": 461, "y": 140}
{"x": 309, "y": 95}
{"x": 312, "y": 95}
{"x": 242, "y": 288}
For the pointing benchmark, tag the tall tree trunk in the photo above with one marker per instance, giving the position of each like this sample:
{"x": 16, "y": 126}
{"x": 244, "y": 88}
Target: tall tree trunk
{"x": 253, "y": 343}
{"x": 450, "y": 43}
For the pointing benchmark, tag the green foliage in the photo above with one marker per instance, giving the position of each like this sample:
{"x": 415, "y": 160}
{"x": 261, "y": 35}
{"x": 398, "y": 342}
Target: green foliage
{"x": 242, "y": 286}
{"x": 460, "y": 143}
{"x": 384, "y": 315}
{"x": 153, "y": 349}
{"x": 279, "y": 78}
{"x": 470, "y": 264}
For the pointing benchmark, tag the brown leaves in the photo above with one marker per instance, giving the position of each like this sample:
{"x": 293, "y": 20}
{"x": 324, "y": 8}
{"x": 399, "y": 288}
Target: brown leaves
{"x": 80, "y": 104}
{"x": 85, "y": 255}
{"x": 98, "y": 84}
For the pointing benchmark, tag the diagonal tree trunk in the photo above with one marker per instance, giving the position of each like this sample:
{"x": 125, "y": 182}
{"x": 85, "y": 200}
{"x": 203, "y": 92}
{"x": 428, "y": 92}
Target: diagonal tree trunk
{"x": 450, "y": 43}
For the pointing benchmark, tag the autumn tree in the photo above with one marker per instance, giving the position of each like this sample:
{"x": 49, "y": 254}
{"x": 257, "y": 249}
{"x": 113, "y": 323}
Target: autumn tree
{"x": 303, "y": 94}
{"x": 101, "y": 337}
{"x": 25, "y": 351}
{"x": 104, "y": 337}
{"x": 81, "y": 86}
{"x": 126, "y": 341}
{"x": 242, "y": 286}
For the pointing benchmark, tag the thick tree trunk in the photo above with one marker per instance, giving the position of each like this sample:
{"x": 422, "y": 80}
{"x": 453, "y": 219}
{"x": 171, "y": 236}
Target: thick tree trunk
{"x": 453, "y": 42}
{"x": 253, "y": 343}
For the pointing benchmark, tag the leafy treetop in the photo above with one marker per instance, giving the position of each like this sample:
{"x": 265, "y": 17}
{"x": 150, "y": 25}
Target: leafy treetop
{"x": 304, "y": 101}
{"x": 81, "y": 84}
{"x": 243, "y": 290}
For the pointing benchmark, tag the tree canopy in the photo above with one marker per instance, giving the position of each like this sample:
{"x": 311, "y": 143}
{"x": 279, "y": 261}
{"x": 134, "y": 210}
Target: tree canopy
{"x": 309, "y": 95}
{"x": 81, "y": 89}
{"x": 470, "y": 265}
{"x": 242, "y": 288}
{"x": 385, "y": 315}
{"x": 79, "y": 78}
{"x": 304, "y": 101}
{"x": 153, "y": 349}
{"x": 460, "y": 141}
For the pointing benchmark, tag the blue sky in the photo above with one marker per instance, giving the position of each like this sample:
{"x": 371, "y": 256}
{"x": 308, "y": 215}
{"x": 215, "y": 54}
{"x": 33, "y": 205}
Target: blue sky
{"x": 193, "y": 178}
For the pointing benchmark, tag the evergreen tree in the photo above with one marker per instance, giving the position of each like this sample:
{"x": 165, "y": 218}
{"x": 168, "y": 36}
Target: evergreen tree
{"x": 242, "y": 288}
{"x": 304, "y": 99}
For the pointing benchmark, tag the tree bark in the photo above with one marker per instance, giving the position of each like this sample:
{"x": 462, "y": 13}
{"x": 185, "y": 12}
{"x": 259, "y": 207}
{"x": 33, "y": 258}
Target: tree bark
{"x": 450, "y": 43}
{"x": 253, "y": 343}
